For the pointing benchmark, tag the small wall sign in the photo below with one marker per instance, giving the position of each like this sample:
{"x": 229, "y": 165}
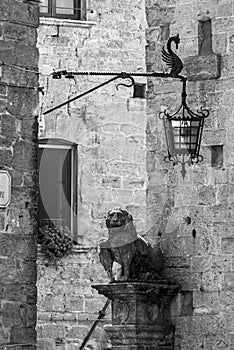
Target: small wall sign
{"x": 5, "y": 188}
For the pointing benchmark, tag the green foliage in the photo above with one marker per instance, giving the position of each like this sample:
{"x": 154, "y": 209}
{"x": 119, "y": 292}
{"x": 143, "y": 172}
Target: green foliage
{"x": 55, "y": 242}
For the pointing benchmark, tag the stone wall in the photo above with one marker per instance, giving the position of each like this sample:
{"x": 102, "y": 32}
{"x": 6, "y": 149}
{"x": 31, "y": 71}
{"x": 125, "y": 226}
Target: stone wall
{"x": 194, "y": 218}
{"x": 18, "y": 156}
{"x": 109, "y": 129}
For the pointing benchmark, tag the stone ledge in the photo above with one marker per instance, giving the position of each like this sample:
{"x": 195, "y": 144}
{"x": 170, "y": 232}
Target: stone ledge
{"x": 202, "y": 67}
{"x": 28, "y": 346}
{"x": 65, "y": 22}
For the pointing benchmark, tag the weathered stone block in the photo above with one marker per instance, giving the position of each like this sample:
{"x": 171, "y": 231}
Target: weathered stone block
{"x": 3, "y": 90}
{"x": 8, "y": 124}
{"x": 6, "y": 157}
{"x": 92, "y": 194}
{"x": 5, "y": 142}
{"x": 26, "y": 56}
{"x": 76, "y": 331}
{"x": 21, "y": 102}
{"x": 50, "y": 303}
{"x": 45, "y": 344}
{"x": 29, "y": 128}
{"x": 19, "y": 33}
{"x": 217, "y": 341}
{"x": 183, "y": 13}
{"x": 224, "y": 8}
{"x": 158, "y": 15}
{"x": 11, "y": 313}
{"x": 229, "y": 281}
{"x": 3, "y": 105}
{"x": 228, "y": 245}
{"x": 200, "y": 264}
{"x": 7, "y": 245}
{"x": 17, "y": 77}
{"x": 206, "y": 302}
{"x": 53, "y": 330}
{"x": 122, "y": 196}
{"x": 207, "y": 195}
{"x": 29, "y": 271}
{"x": 14, "y": 292}
{"x": 24, "y": 13}
{"x": 4, "y": 11}
{"x": 74, "y": 303}
{"x": 214, "y": 137}
{"x": 93, "y": 304}
{"x": 24, "y": 155}
{"x": 202, "y": 67}
{"x": 23, "y": 335}
{"x": 26, "y": 247}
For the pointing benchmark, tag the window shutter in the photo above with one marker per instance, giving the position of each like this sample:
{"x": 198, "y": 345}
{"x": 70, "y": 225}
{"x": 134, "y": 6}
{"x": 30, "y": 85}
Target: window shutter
{"x": 74, "y": 194}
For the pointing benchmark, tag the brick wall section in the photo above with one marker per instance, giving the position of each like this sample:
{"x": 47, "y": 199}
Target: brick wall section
{"x": 18, "y": 155}
{"x": 195, "y": 216}
{"x": 109, "y": 128}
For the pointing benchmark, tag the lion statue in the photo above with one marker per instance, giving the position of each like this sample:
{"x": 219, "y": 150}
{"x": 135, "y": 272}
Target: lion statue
{"x": 124, "y": 248}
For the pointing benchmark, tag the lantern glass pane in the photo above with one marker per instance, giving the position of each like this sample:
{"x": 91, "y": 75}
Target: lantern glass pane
{"x": 184, "y": 136}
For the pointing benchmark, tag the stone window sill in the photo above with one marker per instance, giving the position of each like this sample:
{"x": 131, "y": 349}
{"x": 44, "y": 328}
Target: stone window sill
{"x": 65, "y": 22}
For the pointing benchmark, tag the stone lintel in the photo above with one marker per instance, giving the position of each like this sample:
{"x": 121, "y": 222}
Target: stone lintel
{"x": 202, "y": 67}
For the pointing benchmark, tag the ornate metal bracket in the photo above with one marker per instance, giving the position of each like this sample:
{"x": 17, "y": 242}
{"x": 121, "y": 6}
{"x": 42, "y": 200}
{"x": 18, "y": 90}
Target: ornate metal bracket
{"x": 183, "y": 128}
{"x": 171, "y": 59}
{"x": 117, "y": 75}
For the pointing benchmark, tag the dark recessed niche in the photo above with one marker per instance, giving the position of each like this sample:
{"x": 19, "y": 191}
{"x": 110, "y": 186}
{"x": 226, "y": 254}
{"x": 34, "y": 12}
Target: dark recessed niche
{"x": 205, "y": 37}
{"x": 188, "y": 220}
{"x": 194, "y": 233}
{"x": 217, "y": 156}
{"x": 139, "y": 90}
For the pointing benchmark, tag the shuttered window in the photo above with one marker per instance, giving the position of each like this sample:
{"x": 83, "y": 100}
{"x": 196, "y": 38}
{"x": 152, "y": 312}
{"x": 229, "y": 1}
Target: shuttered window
{"x": 58, "y": 184}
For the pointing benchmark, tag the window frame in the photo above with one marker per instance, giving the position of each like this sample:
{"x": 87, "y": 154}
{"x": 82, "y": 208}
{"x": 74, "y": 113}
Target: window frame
{"x": 52, "y": 11}
{"x": 53, "y": 143}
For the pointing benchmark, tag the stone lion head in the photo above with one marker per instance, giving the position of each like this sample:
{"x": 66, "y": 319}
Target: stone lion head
{"x": 118, "y": 217}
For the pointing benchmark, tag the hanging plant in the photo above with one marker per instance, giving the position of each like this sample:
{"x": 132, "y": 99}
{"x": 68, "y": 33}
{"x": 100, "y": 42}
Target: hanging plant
{"x": 55, "y": 242}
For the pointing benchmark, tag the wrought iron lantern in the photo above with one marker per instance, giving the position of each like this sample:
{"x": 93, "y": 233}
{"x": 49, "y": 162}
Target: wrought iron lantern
{"x": 183, "y": 131}
{"x": 183, "y": 128}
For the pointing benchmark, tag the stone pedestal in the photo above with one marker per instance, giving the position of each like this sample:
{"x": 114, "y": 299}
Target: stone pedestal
{"x": 140, "y": 315}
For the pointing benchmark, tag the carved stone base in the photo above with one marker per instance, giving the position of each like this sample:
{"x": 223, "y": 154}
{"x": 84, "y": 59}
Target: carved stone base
{"x": 140, "y": 337}
{"x": 140, "y": 315}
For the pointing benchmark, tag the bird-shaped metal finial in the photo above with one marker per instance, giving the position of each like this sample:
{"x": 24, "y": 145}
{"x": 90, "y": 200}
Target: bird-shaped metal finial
{"x": 171, "y": 59}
